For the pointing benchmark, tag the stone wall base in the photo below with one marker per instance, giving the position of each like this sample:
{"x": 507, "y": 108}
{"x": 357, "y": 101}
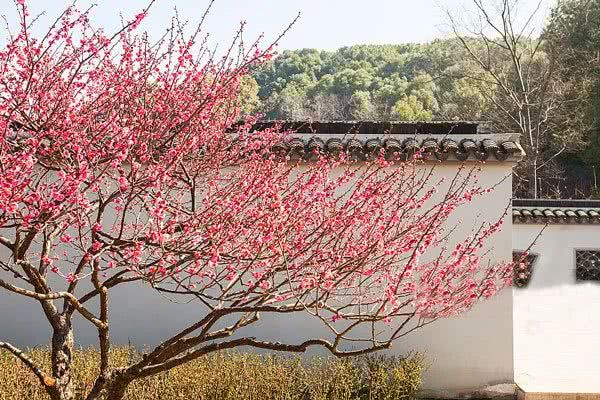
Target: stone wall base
{"x": 521, "y": 395}
{"x": 502, "y": 392}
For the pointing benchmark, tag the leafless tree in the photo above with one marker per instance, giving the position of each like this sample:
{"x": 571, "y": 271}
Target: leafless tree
{"x": 509, "y": 54}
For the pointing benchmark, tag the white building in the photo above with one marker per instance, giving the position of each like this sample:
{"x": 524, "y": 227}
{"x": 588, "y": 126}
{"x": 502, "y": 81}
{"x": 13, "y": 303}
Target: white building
{"x": 555, "y": 314}
{"x": 544, "y": 336}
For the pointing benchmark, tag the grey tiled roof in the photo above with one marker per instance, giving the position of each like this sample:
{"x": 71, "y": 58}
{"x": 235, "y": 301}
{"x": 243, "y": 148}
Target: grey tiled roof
{"x": 440, "y": 140}
{"x": 526, "y": 211}
{"x": 441, "y": 149}
{"x": 378, "y": 127}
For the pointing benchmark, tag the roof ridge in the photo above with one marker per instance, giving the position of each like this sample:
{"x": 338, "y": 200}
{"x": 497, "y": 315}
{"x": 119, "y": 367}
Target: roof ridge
{"x": 556, "y": 203}
{"x": 555, "y": 215}
{"x": 461, "y": 149}
{"x": 379, "y": 127}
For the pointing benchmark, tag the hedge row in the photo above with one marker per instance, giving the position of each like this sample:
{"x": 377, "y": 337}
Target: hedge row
{"x": 238, "y": 376}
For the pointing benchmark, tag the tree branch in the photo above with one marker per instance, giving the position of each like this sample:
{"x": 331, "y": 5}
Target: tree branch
{"x": 252, "y": 342}
{"x": 46, "y": 380}
{"x": 54, "y": 296}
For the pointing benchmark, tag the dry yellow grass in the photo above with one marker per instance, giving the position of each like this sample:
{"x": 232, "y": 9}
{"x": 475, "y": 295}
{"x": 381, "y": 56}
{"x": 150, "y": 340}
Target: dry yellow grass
{"x": 236, "y": 376}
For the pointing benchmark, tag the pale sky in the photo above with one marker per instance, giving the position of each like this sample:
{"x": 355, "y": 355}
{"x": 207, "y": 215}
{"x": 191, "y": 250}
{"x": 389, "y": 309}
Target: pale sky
{"x": 324, "y": 24}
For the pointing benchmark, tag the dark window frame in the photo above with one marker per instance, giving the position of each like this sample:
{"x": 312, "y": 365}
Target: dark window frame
{"x": 587, "y": 273}
{"x": 531, "y": 261}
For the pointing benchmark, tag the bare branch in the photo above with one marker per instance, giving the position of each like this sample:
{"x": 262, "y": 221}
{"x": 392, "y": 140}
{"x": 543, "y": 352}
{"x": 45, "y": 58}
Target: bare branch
{"x": 54, "y": 296}
{"x": 46, "y": 380}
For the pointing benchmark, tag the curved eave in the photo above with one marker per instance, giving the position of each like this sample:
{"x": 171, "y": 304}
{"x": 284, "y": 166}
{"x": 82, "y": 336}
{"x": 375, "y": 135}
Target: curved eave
{"x": 478, "y": 147}
{"x": 543, "y": 216}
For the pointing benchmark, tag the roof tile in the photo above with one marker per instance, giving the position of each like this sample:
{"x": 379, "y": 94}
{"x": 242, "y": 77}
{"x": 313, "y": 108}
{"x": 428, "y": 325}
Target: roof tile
{"x": 439, "y": 140}
{"x": 556, "y": 211}
{"x": 463, "y": 150}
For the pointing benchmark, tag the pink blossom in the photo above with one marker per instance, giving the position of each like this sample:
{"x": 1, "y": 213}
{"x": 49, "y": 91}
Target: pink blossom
{"x": 123, "y": 183}
{"x": 265, "y": 285}
{"x": 169, "y": 184}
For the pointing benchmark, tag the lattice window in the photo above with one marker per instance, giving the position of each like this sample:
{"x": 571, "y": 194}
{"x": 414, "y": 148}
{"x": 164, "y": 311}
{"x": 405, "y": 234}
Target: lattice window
{"x": 587, "y": 265}
{"x": 523, "y": 268}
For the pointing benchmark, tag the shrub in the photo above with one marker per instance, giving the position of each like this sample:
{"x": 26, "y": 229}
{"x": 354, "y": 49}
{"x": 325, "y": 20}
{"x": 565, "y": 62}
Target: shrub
{"x": 391, "y": 378}
{"x": 237, "y": 376}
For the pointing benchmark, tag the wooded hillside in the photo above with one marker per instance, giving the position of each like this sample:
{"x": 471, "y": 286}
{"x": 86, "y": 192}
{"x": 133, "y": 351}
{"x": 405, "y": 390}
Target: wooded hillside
{"x": 545, "y": 86}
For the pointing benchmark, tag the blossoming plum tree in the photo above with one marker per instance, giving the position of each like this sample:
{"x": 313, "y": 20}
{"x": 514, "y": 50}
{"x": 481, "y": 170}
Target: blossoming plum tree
{"x": 126, "y": 162}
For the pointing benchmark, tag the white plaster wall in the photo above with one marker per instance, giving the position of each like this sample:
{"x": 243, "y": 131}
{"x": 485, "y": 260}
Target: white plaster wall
{"x": 467, "y": 352}
{"x": 556, "y": 324}
{"x": 474, "y": 349}
{"x": 464, "y": 353}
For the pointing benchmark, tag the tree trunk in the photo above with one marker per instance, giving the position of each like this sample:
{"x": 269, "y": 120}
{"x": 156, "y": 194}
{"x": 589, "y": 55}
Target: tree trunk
{"x": 109, "y": 388}
{"x": 534, "y": 189}
{"x": 116, "y": 390}
{"x": 62, "y": 359}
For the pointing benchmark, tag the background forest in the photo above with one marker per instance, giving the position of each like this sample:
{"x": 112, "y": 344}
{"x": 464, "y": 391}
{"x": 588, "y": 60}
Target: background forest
{"x": 545, "y": 86}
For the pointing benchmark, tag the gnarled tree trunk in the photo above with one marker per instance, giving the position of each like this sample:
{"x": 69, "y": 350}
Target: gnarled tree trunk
{"x": 111, "y": 386}
{"x": 62, "y": 360}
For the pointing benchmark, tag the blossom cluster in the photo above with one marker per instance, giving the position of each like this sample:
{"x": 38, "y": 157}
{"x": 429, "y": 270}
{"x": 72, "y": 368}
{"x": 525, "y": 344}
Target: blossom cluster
{"x": 126, "y": 158}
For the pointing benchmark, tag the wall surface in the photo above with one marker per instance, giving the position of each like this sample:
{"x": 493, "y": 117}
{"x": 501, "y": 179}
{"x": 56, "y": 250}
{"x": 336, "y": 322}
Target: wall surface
{"x": 475, "y": 349}
{"x": 464, "y": 353}
{"x": 556, "y": 325}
